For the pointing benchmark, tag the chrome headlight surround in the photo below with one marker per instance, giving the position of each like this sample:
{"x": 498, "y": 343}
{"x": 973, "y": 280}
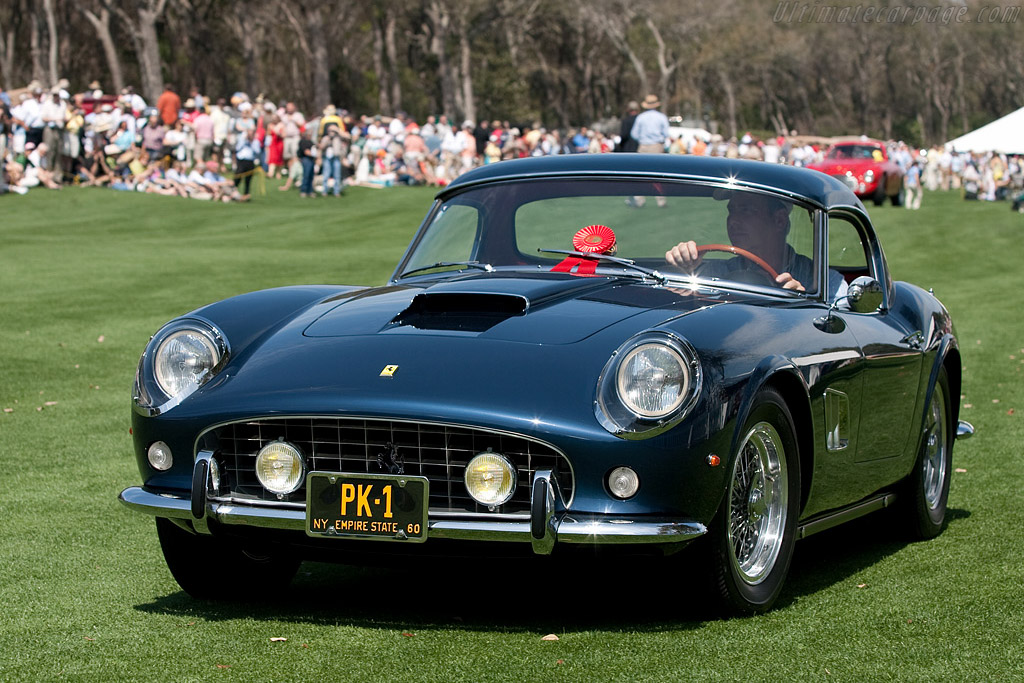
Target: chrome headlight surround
{"x": 672, "y": 361}
{"x": 205, "y": 351}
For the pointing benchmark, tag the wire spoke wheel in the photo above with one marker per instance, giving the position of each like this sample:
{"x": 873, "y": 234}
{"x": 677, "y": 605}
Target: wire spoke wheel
{"x": 925, "y": 492}
{"x": 936, "y": 447}
{"x": 758, "y": 502}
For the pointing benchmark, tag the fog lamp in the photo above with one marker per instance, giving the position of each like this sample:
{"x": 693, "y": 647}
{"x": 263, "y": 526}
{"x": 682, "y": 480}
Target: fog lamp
{"x": 159, "y": 456}
{"x": 623, "y": 482}
{"x": 490, "y": 479}
{"x": 280, "y": 468}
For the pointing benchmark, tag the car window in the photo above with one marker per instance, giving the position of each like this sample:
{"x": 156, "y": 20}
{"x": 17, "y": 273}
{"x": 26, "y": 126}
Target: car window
{"x": 847, "y": 252}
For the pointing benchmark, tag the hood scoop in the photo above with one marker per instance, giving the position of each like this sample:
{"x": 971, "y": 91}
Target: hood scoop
{"x": 461, "y": 311}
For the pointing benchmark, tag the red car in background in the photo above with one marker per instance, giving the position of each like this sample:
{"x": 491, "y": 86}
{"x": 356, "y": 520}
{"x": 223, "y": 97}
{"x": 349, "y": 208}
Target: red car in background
{"x": 865, "y": 167}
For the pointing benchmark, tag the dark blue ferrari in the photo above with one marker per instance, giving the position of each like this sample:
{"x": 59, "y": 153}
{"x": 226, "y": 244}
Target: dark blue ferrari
{"x": 615, "y": 353}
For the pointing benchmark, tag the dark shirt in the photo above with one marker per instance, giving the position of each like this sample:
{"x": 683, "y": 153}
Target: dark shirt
{"x": 481, "y": 135}
{"x": 304, "y": 147}
{"x": 627, "y": 143}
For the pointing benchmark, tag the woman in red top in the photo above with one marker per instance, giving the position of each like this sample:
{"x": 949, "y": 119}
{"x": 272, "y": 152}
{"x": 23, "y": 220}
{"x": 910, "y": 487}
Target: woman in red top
{"x": 275, "y": 146}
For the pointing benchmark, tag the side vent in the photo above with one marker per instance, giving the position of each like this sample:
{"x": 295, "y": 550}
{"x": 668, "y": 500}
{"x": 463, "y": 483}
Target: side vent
{"x": 837, "y": 420}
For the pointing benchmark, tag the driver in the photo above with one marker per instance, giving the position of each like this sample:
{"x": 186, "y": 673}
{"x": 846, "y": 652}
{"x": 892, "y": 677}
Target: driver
{"x": 759, "y": 224}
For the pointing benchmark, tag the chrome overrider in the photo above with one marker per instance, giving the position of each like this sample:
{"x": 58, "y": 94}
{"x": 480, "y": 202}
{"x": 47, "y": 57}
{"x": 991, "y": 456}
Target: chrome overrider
{"x": 549, "y": 521}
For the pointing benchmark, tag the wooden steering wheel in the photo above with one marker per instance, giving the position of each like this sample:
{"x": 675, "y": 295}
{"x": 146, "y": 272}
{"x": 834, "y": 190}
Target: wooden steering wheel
{"x": 753, "y": 258}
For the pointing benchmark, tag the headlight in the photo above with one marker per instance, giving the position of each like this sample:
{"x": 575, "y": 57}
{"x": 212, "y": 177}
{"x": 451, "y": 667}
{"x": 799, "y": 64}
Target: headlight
{"x": 869, "y": 176}
{"x": 179, "y": 359}
{"x": 280, "y": 467}
{"x": 183, "y": 361}
{"x": 648, "y": 385}
{"x": 652, "y": 380}
{"x": 490, "y": 479}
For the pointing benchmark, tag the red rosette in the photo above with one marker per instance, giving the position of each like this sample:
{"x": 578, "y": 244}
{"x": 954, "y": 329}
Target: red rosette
{"x": 594, "y": 239}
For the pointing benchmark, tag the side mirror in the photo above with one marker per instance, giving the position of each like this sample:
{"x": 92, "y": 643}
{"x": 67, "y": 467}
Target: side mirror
{"x": 864, "y": 295}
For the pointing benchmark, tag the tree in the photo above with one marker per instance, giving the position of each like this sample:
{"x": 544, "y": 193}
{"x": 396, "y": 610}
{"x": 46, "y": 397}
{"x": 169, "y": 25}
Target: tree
{"x": 140, "y": 24}
{"x": 99, "y": 19}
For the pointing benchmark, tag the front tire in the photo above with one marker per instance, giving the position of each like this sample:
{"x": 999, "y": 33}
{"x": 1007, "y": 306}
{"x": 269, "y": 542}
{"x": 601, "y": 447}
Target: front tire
{"x": 927, "y": 488}
{"x": 754, "y": 531}
{"x": 900, "y": 197}
{"x": 879, "y": 197}
{"x": 209, "y": 568}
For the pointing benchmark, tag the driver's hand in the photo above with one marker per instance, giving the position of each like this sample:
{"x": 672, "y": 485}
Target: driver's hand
{"x": 684, "y": 256}
{"x": 789, "y": 282}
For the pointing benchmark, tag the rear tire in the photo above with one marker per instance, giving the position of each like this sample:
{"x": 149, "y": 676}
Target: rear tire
{"x": 754, "y": 531}
{"x": 209, "y": 568}
{"x": 926, "y": 491}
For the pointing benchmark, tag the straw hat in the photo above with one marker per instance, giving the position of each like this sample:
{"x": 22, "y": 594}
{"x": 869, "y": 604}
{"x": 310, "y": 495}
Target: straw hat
{"x": 651, "y": 102}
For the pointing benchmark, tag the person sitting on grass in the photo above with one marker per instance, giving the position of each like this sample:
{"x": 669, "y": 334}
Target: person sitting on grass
{"x": 226, "y": 190}
{"x": 36, "y": 166}
{"x": 95, "y": 171}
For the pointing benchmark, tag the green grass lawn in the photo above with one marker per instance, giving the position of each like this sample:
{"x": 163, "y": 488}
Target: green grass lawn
{"x": 87, "y": 275}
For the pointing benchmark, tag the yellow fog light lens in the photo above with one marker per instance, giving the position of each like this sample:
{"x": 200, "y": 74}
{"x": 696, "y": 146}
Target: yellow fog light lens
{"x": 280, "y": 468}
{"x": 490, "y": 479}
{"x": 623, "y": 482}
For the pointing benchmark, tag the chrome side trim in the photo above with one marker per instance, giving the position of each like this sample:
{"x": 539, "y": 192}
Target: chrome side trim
{"x": 567, "y": 528}
{"x": 964, "y": 430}
{"x": 589, "y": 529}
{"x": 832, "y": 519}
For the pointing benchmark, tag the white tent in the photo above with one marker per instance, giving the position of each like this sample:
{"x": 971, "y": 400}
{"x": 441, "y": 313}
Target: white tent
{"x": 1005, "y": 135}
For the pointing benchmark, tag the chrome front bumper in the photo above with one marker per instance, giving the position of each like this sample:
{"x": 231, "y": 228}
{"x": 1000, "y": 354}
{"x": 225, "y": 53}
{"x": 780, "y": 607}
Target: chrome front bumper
{"x": 548, "y": 522}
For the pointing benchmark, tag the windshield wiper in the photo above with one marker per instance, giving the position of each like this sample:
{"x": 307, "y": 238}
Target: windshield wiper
{"x": 450, "y": 264}
{"x": 611, "y": 259}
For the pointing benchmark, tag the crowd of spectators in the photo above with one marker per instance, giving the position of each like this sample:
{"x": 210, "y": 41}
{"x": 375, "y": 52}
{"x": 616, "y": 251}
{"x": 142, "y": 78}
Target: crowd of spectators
{"x": 212, "y": 149}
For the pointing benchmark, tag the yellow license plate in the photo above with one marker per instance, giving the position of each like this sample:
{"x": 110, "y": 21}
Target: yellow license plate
{"x": 376, "y": 506}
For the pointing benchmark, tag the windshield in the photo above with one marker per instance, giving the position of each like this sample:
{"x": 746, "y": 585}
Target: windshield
{"x": 682, "y": 230}
{"x": 856, "y": 152}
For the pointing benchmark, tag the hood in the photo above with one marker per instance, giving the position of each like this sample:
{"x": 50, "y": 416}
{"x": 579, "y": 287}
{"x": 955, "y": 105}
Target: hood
{"x": 542, "y": 308}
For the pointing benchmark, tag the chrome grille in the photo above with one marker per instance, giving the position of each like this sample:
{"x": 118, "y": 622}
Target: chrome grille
{"x": 436, "y": 451}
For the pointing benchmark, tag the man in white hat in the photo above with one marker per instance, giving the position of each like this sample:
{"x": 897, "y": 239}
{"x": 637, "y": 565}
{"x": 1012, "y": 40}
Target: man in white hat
{"x": 650, "y": 129}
